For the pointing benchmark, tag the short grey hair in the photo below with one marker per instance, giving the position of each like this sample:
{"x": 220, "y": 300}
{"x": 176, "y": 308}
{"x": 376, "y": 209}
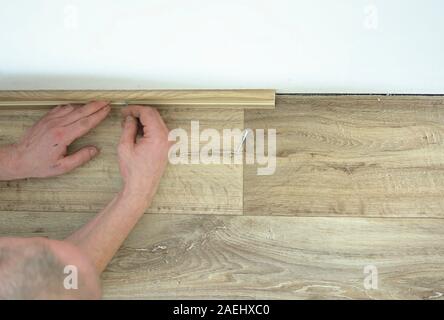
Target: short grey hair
{"x": 30, "y": 272}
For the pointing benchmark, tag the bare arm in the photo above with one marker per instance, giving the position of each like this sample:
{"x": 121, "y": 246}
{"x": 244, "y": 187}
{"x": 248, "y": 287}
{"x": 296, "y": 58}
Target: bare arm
{"x": 142, "y": 164}
{"x": 42, "y": 152}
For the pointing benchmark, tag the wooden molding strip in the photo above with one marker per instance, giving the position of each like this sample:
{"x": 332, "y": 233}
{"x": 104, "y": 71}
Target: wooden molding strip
{"x": 244, "y": 99}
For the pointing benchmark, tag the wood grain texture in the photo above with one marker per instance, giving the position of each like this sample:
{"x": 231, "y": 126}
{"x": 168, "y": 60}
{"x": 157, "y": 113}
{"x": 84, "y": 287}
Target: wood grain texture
{"x": 215, "y": 188}
{"x": 240, "y": 99}
{"x": 262, "y": 257}
{"x": 351, "y": 156}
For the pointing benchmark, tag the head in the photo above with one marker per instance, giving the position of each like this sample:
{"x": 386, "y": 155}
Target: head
{"x": 38, "y": 268}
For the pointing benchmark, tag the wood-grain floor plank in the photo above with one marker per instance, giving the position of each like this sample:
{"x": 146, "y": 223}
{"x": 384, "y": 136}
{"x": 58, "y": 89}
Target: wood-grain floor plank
{"x": 351, "y": 156}
{"x": 262, "y": 257}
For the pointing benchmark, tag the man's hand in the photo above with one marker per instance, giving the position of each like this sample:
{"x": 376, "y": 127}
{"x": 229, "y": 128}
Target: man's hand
{"x": 42, "y": 150}
{"x": 143, "y": 160}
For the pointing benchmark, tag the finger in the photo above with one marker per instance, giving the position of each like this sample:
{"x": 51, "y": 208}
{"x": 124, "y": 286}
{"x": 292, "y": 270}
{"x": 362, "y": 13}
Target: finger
{"x": 129, "y": 132}
{"x": 145, "y": 114}
{"x": 84, "y": 111}
{"x": 76, "y": 159}
{"x": 149, "y": 118}
{"x": 54, "y": 110}
{"x": 61, "y": 110}
{"x": 84, "y": 125}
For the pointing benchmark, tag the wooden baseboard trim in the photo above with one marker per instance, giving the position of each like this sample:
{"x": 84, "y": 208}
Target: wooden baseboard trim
{"x": 243, "y": 99}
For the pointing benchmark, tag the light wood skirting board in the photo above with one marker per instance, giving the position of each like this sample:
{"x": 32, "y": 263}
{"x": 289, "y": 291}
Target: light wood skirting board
{"x": 241, "y": 99}
{"x": 261, "y": 257}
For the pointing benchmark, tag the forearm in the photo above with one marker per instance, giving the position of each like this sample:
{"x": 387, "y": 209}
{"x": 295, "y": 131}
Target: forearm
{"x": 9, "y": 166}
{"x": 101, "y": 237}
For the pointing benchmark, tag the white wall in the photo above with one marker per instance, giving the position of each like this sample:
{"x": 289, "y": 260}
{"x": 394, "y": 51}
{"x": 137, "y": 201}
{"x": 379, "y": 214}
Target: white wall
{"x": 355, "y": 46}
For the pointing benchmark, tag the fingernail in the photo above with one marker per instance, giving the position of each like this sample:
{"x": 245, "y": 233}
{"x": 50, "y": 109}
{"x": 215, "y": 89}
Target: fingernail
{"x": 129, "y": 119}
{"x": 93, "y": 152}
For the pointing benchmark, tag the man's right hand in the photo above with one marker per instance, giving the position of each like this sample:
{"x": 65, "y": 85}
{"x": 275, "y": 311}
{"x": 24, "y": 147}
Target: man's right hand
{"x": 142, "y": 161}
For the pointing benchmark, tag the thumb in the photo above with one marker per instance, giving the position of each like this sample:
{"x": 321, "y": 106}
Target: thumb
{"x": 76, "y": 159}
{"x": 129, "y": 132}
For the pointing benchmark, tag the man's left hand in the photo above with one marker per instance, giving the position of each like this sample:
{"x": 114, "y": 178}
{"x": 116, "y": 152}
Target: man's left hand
{"x": 42, "y": 152}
